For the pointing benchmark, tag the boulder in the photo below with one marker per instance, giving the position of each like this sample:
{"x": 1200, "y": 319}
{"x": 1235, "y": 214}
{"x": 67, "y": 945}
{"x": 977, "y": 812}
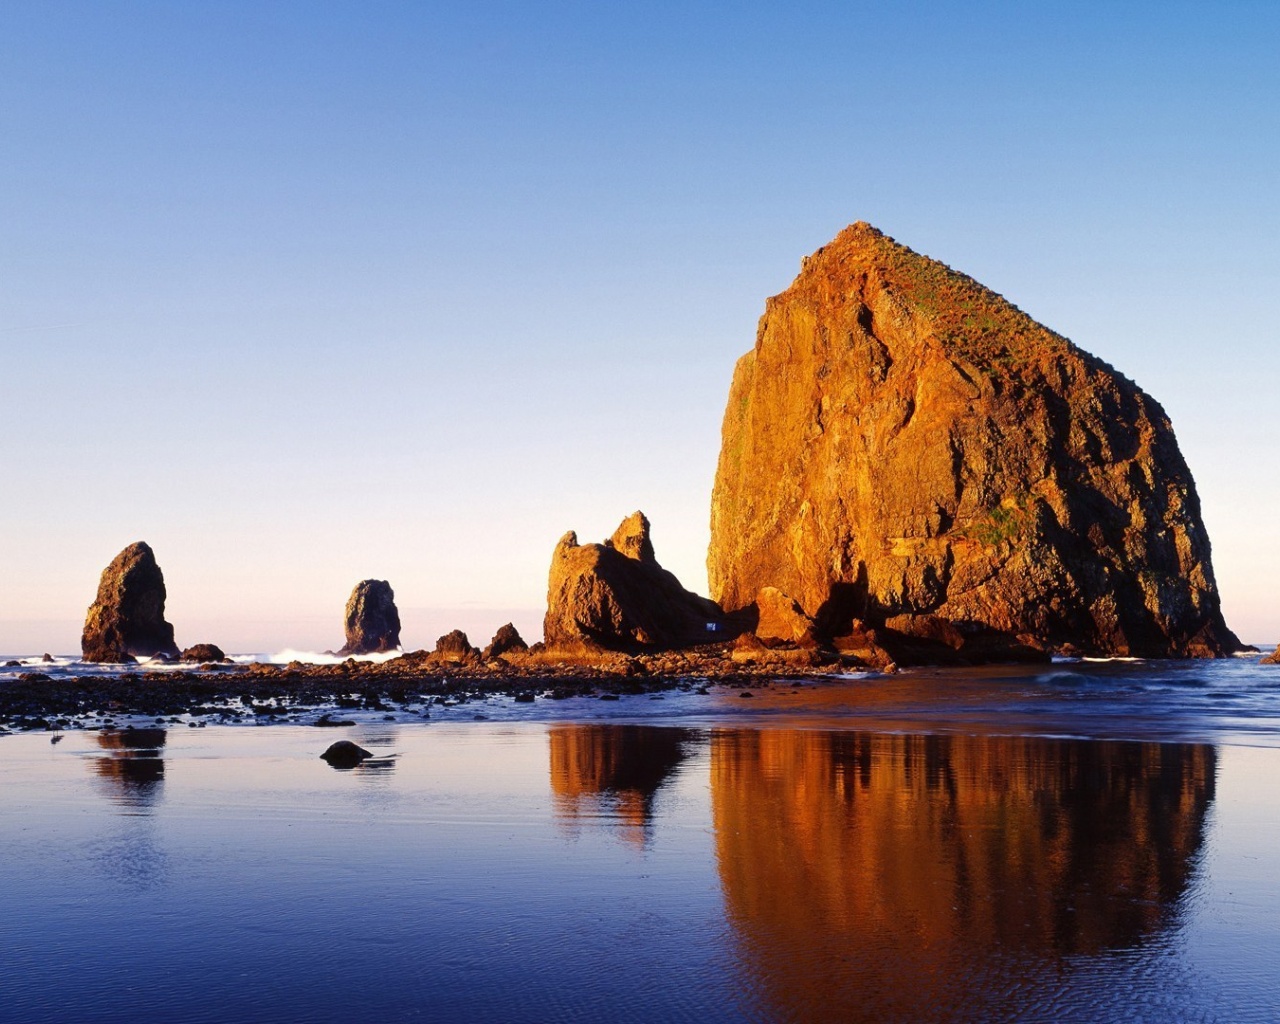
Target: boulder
{"x": 903, "y": 442}
{"x": 345, "y": 754}
{"x": 1271, "y": 659}
{"x": 617, "y": 596}
{"x": 204, "y": 652}
{"x": 372, "y": 621}
{"x": 126, "y": 619}
{"x": 506, "y": 641}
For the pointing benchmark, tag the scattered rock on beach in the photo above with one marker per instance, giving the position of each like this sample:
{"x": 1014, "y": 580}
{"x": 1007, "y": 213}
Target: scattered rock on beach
{"x": 372, "y": 620}
{"x": 901, "y": 441}
{"x": 126, "y": 619}
{"x": 616, "y": 595}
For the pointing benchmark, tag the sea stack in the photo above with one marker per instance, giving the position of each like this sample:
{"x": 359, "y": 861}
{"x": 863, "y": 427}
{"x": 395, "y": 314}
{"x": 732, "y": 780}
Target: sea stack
{"x": 616, "y": 595}
{"x": 904, "y": 446}
{"x": 372, "y": 621}
{"x": 126, "y": 619}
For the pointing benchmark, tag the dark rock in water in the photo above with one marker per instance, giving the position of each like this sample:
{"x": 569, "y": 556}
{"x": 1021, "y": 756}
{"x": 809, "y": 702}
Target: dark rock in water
{"x": 345, "y": 754}
{"x": 902, "y": 442}
{"x": 372, "y": 621}
{"x": 127, "y": 617}
{"x": 506, "y": 641}
{"x": 455, "y": 648}
{"x": 47, "y": 659}
{"x": 13, "y": 664}
{"x": 616, "y": 595}
{"x": 204, "y": 652}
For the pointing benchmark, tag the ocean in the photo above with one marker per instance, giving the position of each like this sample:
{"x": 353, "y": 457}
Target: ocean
{"x": 1084, "y": 841}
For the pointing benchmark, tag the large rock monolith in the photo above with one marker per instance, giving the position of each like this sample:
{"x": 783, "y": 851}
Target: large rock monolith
{"x": 903, "y": 442}
{"x": 372, "y": 621}
{"x": 126, "y": 620}
{"x": 617, "y": 596}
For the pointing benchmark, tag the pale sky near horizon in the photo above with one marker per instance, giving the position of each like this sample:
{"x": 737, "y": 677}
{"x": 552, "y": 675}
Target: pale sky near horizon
{"x": 304, "y": 293}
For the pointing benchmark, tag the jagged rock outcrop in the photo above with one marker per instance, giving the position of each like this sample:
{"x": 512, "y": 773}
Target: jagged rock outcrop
{"x": 616, "y": 595}
{"x": 902, "y": 441}
{"x": 372, "y": 621}
{"x": 455, "y": 648}
{"x": 507, "y": 640}
{"x": 126, "y": 619}
{"x": 1271, "y": 659}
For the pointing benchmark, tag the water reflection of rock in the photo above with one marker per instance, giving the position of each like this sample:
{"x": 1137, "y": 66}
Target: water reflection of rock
{"x": 135, "y": 769}
{"x": 613, "y": 771}
{"x": 877, "y": 877}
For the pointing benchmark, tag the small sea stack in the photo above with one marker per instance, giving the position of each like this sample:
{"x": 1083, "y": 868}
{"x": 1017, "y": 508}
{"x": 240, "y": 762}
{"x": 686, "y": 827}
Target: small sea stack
{"x": 372, "y": 621}
{"x": 507, "y": 640}
{"x": 616, "y": 595}
{"x": 126, "y": 620}
{"x": 904, "y": 447}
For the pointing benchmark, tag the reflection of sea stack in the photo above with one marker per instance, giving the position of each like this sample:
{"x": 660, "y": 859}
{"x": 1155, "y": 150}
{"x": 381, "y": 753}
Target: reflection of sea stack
{"x": 617, "y": 595}
{"x": 136, "y": 767}
{"x": 126, "y": 619}
{"x": 924, "y": 865}
{"x": 902, "y": 442}
{"x": 372, "y": 621}
{"x": 619, "y": 766}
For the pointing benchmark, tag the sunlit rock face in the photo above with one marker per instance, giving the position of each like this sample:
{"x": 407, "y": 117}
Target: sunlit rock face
{"x": 943, "y": 870}
{"x": 613, "y": 770}
{"x": 901, "y": 441}
{"x": 126, "y": 619}
{"x": 616, "y": 595}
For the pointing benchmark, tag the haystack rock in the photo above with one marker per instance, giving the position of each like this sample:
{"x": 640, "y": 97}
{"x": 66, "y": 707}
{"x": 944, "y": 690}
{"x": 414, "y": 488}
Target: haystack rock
{"x": 372, "y": 621}
{"x": 903, "y": 442}
{"x": 616, "y": 595}
{"x": 126, "y": 619}
{"x": 506, "y": 641}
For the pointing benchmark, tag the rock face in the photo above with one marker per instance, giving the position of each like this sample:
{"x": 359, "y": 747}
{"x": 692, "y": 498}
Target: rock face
{"x": 126, "y": 619}
{"x": 781, "y": 618}
{"x": 372, "y": 621}
{"x": 1271, "y": 659}
{"x": 616, "y": 595}
{"x": 903, "y": 442}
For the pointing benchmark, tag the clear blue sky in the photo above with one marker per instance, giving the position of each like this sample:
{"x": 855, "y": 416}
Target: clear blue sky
{"x": 302, "y": 293}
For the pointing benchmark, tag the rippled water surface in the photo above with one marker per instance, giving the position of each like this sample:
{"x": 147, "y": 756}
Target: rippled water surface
{"x": 785, "y": 858}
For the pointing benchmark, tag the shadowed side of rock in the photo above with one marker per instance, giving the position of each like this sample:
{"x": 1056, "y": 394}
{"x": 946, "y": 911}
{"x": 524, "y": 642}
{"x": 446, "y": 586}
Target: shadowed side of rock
{"x": 902, "y": 443}
{"x": 126, "y": 619}
{"x": 372, "y": 620}
{"x": 617, "y": 596}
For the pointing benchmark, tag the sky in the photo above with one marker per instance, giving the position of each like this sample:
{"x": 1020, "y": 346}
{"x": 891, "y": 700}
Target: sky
{"x": 307, "y": 293}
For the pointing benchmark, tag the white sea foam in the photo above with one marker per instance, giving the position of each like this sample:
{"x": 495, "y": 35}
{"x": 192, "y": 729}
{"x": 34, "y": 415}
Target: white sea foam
{"x": 313, "y": 657}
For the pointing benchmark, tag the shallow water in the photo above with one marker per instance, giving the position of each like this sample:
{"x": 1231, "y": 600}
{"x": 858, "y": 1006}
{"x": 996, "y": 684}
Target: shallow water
{"x": 734, "y": 865}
